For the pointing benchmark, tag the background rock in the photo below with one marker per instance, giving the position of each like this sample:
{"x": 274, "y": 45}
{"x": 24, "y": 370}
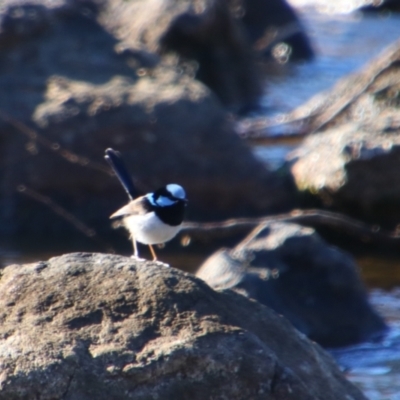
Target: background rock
{"x": 213, "y": 39}
{"x": 350, "y": 163}
{"x": 367, "y": 97}
{"x": 292, "y": 270}
{"x": 95, "y": 326}
{"x": 361, "y": 177}
{"x": 205, "y": 34}
{"x": 272, "y": 22}
{"x": 63, "y": 75}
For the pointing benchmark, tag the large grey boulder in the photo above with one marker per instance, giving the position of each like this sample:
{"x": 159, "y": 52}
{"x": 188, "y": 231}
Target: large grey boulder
{"x": 217, "y": 40}
{"x": 291, "y": 269}
{"x": 96, "y": 326}
{"x": 203, "y": 36}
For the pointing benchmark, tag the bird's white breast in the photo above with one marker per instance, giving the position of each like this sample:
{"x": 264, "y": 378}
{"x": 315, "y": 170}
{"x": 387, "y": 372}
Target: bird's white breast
{"x": 149, "y": 229}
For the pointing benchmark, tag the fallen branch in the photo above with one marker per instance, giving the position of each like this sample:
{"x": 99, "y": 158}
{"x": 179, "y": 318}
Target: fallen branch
{"x": 35, "y": 137}
{"x": 66, "y": 215}
{"x": 314, "y": 218}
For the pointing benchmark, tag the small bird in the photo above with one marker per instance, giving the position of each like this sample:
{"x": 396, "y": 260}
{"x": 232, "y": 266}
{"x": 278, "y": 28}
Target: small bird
{"x": 154, "y": 218}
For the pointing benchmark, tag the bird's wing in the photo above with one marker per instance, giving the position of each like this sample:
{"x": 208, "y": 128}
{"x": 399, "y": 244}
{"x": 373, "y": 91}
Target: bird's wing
{"x": 140, "y": 206}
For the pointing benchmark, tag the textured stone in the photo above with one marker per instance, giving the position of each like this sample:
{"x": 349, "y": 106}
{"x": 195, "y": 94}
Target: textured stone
{"x": 351, "y": 162}
{"x": 96, "y": 326}
{"x": 354, "y": 170}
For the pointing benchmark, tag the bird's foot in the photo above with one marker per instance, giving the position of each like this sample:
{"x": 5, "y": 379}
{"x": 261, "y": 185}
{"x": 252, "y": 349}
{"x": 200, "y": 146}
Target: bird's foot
{"x": 161, "y": 264}
{"x": 137, "y": 258}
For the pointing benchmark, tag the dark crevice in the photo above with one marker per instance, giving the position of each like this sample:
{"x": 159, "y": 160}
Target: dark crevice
{"x": 92, "y": 318}
{"x": 65, "y": 394}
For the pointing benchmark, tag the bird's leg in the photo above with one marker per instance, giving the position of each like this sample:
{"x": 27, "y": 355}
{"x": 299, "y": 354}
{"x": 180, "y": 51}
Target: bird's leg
{"x": 153, "y": 253}
{"x": 155, "y": 257}
{"x": 135, "y": 250}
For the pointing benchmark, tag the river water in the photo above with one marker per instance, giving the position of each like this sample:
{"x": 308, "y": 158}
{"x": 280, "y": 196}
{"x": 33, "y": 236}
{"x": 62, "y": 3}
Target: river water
{"x": 344, "y": 40}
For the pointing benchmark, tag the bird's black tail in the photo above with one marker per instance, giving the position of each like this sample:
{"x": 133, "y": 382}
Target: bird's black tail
{"x": 117, "y": 164}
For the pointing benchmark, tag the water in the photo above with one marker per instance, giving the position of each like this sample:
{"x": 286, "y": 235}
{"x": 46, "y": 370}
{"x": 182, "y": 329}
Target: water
{"x": 375, "y": 367}
{"x": 344, "y": 42}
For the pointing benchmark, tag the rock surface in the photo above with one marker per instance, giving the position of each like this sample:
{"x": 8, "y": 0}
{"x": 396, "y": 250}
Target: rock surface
{"x": 292, "y": 270}
{"x": 96, "y": 326}
{"x": 216, "y": 40}
{"x": 361, "y": 177}
{"x": 368, "y": 97}
{"x": 351, "y": 164}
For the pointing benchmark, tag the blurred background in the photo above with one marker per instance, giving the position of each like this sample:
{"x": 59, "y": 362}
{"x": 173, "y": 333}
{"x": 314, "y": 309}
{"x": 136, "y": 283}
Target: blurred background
{"x": 257, "y": 108}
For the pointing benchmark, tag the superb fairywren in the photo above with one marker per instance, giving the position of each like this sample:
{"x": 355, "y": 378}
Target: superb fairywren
{"x": 153, "y": 218}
